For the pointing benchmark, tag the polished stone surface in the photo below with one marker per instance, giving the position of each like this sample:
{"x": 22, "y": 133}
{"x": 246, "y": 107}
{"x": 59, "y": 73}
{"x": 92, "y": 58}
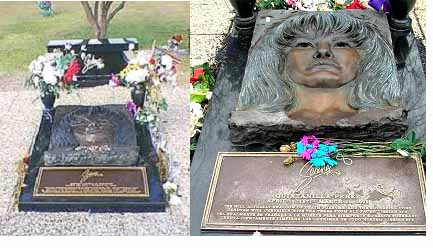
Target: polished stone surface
{"x": 111, "y": 51}
{"x": 154, "y": 203}
{"x": 215, "y": 133}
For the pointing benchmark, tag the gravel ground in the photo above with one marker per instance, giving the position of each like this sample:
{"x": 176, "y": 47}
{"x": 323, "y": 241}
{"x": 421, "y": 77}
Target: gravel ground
{"x": 20, "y": 113}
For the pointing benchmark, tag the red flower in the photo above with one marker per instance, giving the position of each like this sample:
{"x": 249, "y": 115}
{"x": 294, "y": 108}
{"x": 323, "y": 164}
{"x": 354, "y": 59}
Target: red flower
{"x": 152, "y": 61}
{"x": 196, "y": 75}
{"x": 356, "y": 4}
{"x": 73, "y": 69}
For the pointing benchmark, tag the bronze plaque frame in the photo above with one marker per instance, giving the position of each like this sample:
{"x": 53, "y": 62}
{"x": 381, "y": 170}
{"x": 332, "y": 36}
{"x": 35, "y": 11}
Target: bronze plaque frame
{"x": 141, "y": 170}
{"x": 207, "y": 225}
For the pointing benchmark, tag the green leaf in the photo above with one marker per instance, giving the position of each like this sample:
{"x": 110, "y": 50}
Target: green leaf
{"x": 163, "y": 104}
{"x": 400, "y": 143}
{"x": 411, "y": 137}
{"x": 198, "y": 96}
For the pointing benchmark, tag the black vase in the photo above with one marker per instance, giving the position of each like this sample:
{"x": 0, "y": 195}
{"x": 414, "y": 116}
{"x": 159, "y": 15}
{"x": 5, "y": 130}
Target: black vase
{"x": 245, "y": 15}
{"x": 398, "y": 18}
{"x": 138, "y": 94}
{"x": 400, "y": 25}
{"x": 48, "y": 101}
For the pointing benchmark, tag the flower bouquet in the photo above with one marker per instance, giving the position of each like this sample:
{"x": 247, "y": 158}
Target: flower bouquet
{"x": 144, "y": 74}
{"x": 46, "y": 8}
{"x": 327, "y": 152}
{"x": 202, "y": 82}
{"x": 315, "y": 5}
{"x": 54, "y": 72}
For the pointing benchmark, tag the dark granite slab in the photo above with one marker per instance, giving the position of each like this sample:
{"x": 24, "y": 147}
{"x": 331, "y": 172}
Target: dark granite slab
{"x": 110, "y": 50}
{"x": 154, "y": 203}
{"x": 214, "y": 136}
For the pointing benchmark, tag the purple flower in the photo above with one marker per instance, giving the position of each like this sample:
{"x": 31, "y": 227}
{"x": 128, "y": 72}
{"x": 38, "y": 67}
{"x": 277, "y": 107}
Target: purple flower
{"x": 132, "y": 108}
{"x": 378, "y": 4}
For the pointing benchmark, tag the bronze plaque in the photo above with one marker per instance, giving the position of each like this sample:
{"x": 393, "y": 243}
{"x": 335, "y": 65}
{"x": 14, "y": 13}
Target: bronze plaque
{"x": 255, "y": 191}
{"x": 92, "y": 182}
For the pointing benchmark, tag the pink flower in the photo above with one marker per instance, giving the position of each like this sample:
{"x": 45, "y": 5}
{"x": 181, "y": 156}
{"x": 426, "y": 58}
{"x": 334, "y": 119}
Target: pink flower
{"x": 304, "y": 140}
{"x": 307, "y": 153}
{"x": 114, "y": 81}
{"x": 291, "y": 2}
{"x": 327, "y": 142}
{"x": 316, "y": 143}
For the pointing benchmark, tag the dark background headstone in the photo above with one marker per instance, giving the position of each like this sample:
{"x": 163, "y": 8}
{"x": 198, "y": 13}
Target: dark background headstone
{"x": 214, "y": 136}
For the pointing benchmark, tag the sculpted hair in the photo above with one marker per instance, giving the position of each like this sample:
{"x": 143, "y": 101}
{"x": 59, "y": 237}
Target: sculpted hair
{"x": 267, "y": 87}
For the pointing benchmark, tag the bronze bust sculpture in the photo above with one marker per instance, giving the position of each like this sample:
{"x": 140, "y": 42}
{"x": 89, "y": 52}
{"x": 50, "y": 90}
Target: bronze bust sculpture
{"x": 93, "y": 135}
{"x": 317, "y": 69}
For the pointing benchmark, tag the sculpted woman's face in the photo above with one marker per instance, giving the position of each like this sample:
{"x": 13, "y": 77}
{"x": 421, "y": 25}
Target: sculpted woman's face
{"x": 325, "y": 62}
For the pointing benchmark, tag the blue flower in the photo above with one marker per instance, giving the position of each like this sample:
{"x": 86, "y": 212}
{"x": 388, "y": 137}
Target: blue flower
{"x": 327, "y": 148}
{"x": 322, "y": 161}
{"x": 332, "y": 148}
{"x": 319, "y": 154}
{"x": 317, "y": 162}
{"x": 299, "y": 148}
{"x": 330, "y": 161}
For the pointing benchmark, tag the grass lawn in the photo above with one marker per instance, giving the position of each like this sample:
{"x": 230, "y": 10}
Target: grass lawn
{"x": 24, "y": 32}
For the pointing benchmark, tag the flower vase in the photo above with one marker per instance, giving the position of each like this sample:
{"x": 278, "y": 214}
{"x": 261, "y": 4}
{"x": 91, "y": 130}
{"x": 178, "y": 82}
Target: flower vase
{"x": 399, "y": 17}
{"x": 138, "y": 95}
{"x": 245, "y": 15}
{"x": 48, "y": 101}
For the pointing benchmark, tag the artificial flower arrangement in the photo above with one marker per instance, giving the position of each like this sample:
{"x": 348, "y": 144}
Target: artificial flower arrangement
{"x": 45, "y": 8}
{"x": 322, "y": 5}
{"x": 202, "y": 82}
{"x": 321, "y": 152}
{"x": 144, "y": 73}
{"x": 56, "y": 71}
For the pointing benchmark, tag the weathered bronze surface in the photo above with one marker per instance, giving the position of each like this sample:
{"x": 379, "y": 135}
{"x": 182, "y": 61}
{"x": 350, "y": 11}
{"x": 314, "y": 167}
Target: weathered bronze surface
{"x": 319, "y": 71}
{"x": 255, "y": 191}
{"x": 97, "y": 135}
{"x": 92, "y": 182}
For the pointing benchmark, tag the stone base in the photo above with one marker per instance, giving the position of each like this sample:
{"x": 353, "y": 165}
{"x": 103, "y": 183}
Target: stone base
{"x": 154, "y": 203}
{"x": 252, "y": 127}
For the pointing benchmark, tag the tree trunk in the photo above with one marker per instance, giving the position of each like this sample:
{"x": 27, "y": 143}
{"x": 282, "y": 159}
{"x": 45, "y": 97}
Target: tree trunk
{"x": 99, "y": 18}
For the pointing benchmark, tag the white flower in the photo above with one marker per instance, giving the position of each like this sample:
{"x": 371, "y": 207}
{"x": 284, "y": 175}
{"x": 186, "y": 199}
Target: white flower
{"x": 133, "y": 61}
{"x": 257, "y": 233}
{"x": 340, "y": 2}
{"x": 131, "y": 46}
{"x": 193, "y": 124}
{"x": 99, "y": 64}
{"x": 174, "y": 200}
{"x": 49, "y": 75}
{"x": 208, "y": 95}
{"x": 143, "y": 58}
{"x": 36, "y": 80}
{"x": 137, "y": 76}
{"x": 169, "y": 186}
{"x": 196, "y": 110}
{"x": 155, "y": 81}
{"x": 68, "y": 46}
{"x": 166, "y": 61}
{"x": 36, "y": 67}
{"x": 403, "y": 153}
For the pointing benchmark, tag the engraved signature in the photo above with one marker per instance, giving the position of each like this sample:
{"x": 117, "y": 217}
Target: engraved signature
{"x": 87, "y": 174}
{"x": 394, "y": 193}
{"x": 309, "y": 173}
